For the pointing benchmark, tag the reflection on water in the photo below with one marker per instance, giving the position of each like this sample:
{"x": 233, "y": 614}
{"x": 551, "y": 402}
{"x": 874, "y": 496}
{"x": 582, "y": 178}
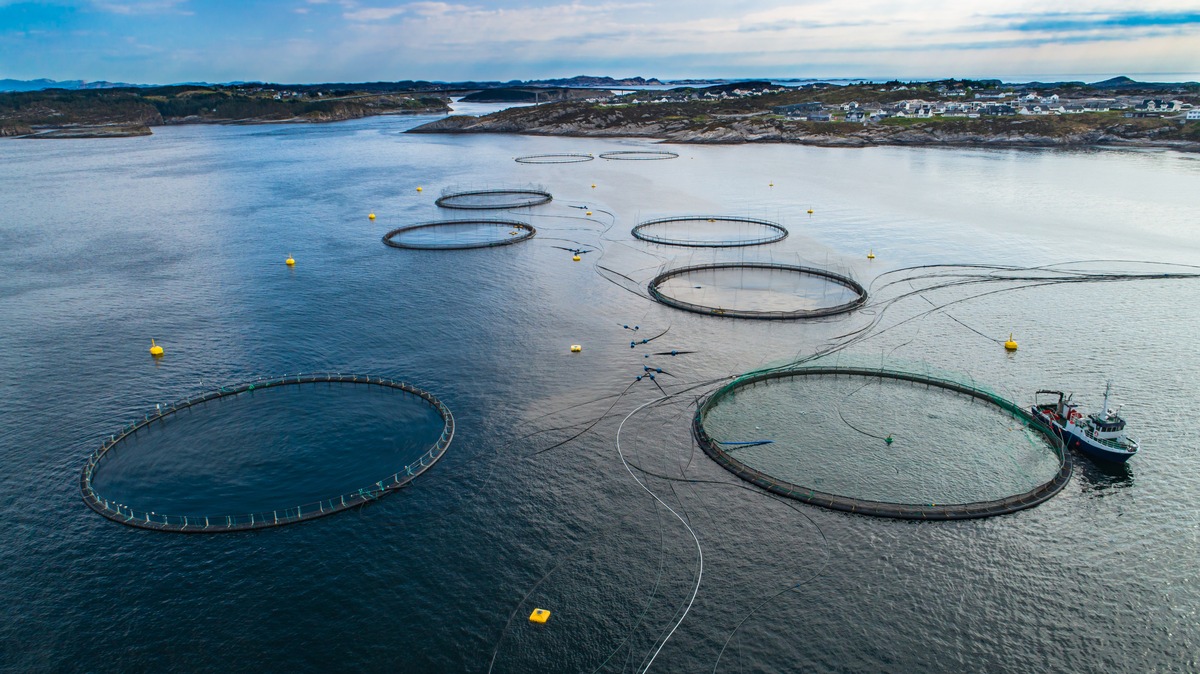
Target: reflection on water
{"x": 181, "y": 237}
{"x": 1103, "y": 479}
{"x": 882, "y": 440}
{"x": 756, "y": 289}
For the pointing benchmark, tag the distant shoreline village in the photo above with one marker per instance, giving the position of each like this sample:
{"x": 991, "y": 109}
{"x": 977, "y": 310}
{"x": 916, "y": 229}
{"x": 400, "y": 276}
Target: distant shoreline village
{"x": 1116, "y": 112}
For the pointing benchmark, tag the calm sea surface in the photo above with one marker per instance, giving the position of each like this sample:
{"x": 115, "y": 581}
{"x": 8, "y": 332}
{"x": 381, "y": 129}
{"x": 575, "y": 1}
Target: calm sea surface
{"x": 181, "y": 237}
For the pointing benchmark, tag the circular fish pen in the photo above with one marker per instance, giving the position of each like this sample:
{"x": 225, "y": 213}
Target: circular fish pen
{"x": 565, "y": 158}
{"x": 638, "y": 155}
{"x": 459, "y": 234}
{"x": 490, "y": 200}
{"x": 709, "y": 231}
{"x": 958, "y": 451}
{"x": 175, "y": 447}
{"x": 757, "y": 290}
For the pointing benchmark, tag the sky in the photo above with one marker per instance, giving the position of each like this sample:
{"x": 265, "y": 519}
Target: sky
{"x": 303, "y": 41}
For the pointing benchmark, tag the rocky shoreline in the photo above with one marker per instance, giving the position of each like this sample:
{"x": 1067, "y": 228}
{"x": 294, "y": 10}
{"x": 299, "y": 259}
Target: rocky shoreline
{"x": 576, "y": 121}
{"x": 130, "y": 131}
{"x": 122, "y": 114}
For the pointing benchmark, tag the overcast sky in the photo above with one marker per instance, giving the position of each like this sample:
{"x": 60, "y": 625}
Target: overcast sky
{"x": 162, "y": 41}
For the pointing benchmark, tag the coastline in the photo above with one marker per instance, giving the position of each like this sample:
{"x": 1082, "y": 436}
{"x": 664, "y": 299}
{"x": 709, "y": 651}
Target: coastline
{"x": 1007, "y": 132}
{"x": 122, "y": 114}
{"x": 134, "y": 130}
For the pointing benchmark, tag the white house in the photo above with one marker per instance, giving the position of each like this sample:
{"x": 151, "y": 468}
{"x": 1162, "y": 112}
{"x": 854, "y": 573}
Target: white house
{"x": 1193, "y": 114}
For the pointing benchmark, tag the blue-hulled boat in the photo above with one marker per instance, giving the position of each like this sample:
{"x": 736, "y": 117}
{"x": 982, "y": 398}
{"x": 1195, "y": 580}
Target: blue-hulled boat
{"x": 1100, "y": 436}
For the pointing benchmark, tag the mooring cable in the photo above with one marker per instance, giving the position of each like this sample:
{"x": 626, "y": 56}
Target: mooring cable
{"x": 699, "y": 549}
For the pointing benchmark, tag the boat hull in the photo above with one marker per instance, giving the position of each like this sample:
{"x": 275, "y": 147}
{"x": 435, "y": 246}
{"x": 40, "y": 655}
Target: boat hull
{"x": 1079, "y": 442}
{"x": 1093, "y": 450}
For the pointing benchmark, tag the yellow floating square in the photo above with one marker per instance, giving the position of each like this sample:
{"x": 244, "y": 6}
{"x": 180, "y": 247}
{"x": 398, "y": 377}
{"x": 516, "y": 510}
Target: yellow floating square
{"x": 539, "y": 615}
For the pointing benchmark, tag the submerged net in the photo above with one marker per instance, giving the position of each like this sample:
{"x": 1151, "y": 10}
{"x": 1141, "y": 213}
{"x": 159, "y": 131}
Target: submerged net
{"x": 757, "y": 290}
{"x": 638, "y": 155}
{"x": 497, "y": 199}
{"x": 206, "y": 483}
{"x": 884, "y": 442}
{"x": 459, "y": 234}
{"x": 565, "y": 158}
{"x": 710, "y": 231}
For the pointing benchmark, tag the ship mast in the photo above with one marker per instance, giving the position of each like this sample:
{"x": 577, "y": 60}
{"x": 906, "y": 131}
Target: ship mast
{"x": 1107, "y": 390}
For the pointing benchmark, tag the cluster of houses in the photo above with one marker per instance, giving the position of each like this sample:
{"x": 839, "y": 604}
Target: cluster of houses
{"x": 985, "y": 105}
{"x": 682, "y": 96}
{"x": 276, "y": 94}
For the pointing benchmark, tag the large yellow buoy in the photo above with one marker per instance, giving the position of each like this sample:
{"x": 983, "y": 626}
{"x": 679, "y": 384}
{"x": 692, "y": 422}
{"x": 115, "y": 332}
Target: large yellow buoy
{"x": 290, "y": 261}
{"x": 770, "y": 184}
{"x": 1010, "y": 345}
{"x": 810, "y": 211}
{"x": 419, "y": 189}
{"x": 371, "y": 216}
{"x": 589, "y": 212}
{"x": 593, "y": 185}
{"x": 576, "y": 258}
{"x": 870, "y": 255}
{"x": 539, "y": 615}
{"x": 155, "y": 350}
{"x": 576, "y": 348}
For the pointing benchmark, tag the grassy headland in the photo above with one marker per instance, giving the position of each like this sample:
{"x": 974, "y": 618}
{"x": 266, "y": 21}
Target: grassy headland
{"x": 951, "y": 112}
{"x": 102, "y": 110}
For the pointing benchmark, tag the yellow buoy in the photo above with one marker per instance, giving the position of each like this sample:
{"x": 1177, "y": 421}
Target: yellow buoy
{"x": 1010, "y": 345}
{"x": 576, "y": 348}
{"x": 371, "y": 216}
{"x": 576, "y": 258}
{"x": 870, "y": 255}
{"x": 419, "y": 189}
{"x": 290, "y": 261}
{"x": 810, "y": 211}
{"x": 155, "y": 350}
{"x": 589, "y": 212}
{"x": 539, "y": 615}
{"x": 593, "y": 185}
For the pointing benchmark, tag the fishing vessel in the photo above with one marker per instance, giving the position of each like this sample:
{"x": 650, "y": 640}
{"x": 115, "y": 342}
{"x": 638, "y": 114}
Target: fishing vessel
{"x": 1100, "y": 435}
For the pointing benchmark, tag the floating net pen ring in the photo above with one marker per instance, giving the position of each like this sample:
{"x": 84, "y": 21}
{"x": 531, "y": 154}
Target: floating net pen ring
{"x": 859, "y": 292}
{"x": 565, "y": 158}
{"x": 639, "y": 155}
{"x": 516, "y": 231}
{"x": 497, "y": 199}
{"x": 952, "y": 511}
{"x": 777, "y": 231}
{"x": 224, "y": 522}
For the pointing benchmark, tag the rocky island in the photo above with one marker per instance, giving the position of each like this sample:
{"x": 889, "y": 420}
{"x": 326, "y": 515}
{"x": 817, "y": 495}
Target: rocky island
{"x": 1117, "y": 112}
{"x": 132, "y": 111}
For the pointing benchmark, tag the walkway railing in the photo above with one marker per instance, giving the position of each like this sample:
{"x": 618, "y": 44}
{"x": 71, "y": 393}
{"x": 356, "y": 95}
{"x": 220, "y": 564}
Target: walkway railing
{"x": 931, "y": 511}
{"x": 125, "y": 514}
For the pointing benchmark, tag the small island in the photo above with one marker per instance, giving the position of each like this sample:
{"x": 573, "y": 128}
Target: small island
{"x": 132, "y": 111}
{"x": 1117, "y": 112}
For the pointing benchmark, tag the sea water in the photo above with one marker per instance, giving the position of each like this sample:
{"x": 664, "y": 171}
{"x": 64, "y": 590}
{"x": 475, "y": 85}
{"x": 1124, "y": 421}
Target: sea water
{"x": 181, "y": 237}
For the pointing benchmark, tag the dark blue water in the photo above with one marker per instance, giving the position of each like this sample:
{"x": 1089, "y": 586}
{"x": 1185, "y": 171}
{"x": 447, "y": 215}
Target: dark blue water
{"x": 269, "y": 449}
{"x": 181, "y": 236}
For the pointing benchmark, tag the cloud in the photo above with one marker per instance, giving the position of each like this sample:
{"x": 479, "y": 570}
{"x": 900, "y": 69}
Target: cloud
{"x": 140, "y": 7}
{"x": 373, "y": 14}
{"x": 414, "y": 9}
{"x": 502, "y": 39}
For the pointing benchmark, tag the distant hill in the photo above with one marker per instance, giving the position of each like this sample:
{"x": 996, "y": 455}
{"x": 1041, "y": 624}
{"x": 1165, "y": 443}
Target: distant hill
{"x": 599, "y": 82}
{"x": 1123, "y": 82}
{"x": 42, "y": 84}
{"x": 579, "y": 81}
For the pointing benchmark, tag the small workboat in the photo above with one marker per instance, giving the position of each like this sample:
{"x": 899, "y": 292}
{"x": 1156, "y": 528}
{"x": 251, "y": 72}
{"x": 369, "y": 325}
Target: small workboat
{"x": 1100, "y": 435}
